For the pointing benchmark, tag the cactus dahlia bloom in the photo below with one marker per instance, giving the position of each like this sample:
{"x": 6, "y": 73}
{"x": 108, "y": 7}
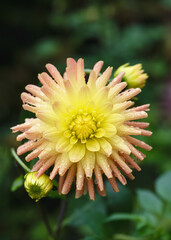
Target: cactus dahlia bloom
{"x": 82, "y": 129}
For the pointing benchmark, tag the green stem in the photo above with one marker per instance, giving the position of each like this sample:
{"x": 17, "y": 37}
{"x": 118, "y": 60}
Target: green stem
{"x": 20, "y": 162}
{"x": 45, "y": 219}
{"x": 62, "y": 210}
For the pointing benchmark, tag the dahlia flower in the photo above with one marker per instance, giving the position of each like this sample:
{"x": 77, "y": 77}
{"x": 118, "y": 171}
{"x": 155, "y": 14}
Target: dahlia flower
{"x": 82, "y": 128}
{"x": 134, "y": 75}
{"x": 37, "y": 188}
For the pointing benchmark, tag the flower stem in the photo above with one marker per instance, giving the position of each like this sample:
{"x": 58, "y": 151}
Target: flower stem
{"x": 62, "y": 209}
{"x": 20, "y": 162}
{"x": 45, "y": 219}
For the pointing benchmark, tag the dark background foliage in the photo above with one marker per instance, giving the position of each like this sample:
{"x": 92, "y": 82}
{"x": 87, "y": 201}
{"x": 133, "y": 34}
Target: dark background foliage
{"x": 34, "y": 33}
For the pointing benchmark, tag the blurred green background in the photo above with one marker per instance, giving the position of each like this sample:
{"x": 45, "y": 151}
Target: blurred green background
{"x": 36, "y": 32}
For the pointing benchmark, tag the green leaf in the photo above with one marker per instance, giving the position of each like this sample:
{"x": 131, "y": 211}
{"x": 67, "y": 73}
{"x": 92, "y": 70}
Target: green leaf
{"x": 152, "y": 220}
{"x": 163, "y": 186}
{"x": 18, "y": 182}
{"x": 125, "y": 216}
{"x": 149, "y": 201}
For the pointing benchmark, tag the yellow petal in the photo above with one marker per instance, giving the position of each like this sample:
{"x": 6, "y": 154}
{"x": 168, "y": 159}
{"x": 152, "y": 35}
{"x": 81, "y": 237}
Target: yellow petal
{"x": 103, "y": 163}
{"x": 73, "y": 140}
{"x": 116, "y": 118}
{"x": 51, "y": 134}
{"x": 67, "y": 133}
{"x": 104, "y": 78}
{"x": 106, "y": 146}
{"x": 92, "y": 80}
{"x": 110, "y": 129}
{"x": 99, "y": 133}
{"x": 46, "y": 115}
{"x": 119, "y": 107}
{"x": 56, "y": 107}
{"x": 63, "y": 144}
{"x": 93, "y": 145}
{"x": 125, "y": 130}
{"x": 84, "y": 94}
{"x": 64, "y": 164}
{"x": 80, "y": 176}
{"x": 116, "y": 89}
{"x": 119, "y": 144}
{"x": 88, "y": 163}
{"x": 77, "y": 152}
{"x": 97, "y": 67}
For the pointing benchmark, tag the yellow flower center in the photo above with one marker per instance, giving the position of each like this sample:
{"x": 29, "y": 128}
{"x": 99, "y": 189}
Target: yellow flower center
{"x": 83, "y": 126}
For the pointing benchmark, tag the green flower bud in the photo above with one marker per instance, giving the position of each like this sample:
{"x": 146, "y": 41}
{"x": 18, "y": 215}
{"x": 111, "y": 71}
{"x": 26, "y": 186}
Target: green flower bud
{"x": 37, "y": 188}
{"x": 134, "y": 75}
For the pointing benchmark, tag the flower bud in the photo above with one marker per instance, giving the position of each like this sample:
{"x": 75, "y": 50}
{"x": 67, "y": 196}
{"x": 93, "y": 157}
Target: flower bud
{"x": 134, "y": 75}
{"x": 37, "y": 188}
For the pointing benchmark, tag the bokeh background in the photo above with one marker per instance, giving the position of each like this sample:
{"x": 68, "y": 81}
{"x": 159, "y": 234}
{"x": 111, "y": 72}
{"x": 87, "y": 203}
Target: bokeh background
{"x": 37, "y": 32}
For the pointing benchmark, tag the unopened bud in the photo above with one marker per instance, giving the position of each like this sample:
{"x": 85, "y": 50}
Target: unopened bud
{"x": 37, "y": 188}
{"x": 134, "y": 75}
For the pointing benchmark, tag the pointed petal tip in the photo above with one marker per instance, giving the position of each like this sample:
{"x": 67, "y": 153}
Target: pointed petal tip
{"x": 109, "y": 153}
{"x": 110, "y": 176}
{"x": 51, "y": 177}
{"x": 150, "y": 148}
{"x": 70, "y": 60}
{"x": 50, "y": 67}
{"x": 38, "y": 174}
{"x": 64, "y": 191}
{"x": 80, "y": 59}
{"x": 92, "y": 198}
{"x": 19, "y": 153}
{"x": 38, "y": 75}
{"x": 139, "y": 169}
{"x": 121, "y": 73}
{"x": 48, "y": 64}
{"x": 124, "y": 183}
{"x": 101, "y": 61}
{"x": 13, "y": 128}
